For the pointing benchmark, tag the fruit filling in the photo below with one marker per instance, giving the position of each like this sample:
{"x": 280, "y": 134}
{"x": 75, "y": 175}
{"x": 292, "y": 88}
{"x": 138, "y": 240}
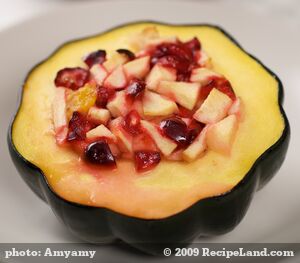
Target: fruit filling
{"x": 164, "y": 101}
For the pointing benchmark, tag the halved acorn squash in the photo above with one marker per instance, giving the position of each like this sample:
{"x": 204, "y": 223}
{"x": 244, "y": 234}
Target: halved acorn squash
{"x": 176, "y": 201}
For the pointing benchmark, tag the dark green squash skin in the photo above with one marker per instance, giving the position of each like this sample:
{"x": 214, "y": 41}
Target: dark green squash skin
{"x": 207, "y": 217}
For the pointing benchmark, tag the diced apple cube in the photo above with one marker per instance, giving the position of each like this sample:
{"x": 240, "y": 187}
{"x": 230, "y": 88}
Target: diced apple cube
{"x": 175, "y": 156}
{"x": 237, "y": 109}
{"x": 99, "y": 132}
{"x": 221, "y": 135}
{"x": 137, "y": 68}
{"x": 197, "y": 147}
{"x": 204, "y": 60}
{"x": 117, "y": 106}
{"x": 165, "y": 145}
{"x": 117, "y": 79}
{"x": 160, "y": 40}
{"x": 184, "y": 93}
{"x": 123, "y": 137}
{"x": 99, "y": 116}
{"x": 203, "y": 75}
{"x": 159, "y": 73}
{"x": 139, "y": 41}
{"x": 99, "y": 73}
{"x": 214, "y": 108}
{"x": 116, "y": 59}
{"x": 157, "y": 105}
{"x": 59, "y": 110}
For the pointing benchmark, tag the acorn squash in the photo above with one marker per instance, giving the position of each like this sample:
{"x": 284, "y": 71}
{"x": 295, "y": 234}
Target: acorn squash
{"x": 176, "y": 201}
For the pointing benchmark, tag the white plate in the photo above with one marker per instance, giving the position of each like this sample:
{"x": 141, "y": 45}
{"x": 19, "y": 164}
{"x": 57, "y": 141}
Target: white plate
{"x": 270, "y": 32}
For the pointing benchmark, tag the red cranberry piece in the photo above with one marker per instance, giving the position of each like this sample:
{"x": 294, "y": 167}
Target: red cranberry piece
{"x": 99, "y": 153}
{"x": 78, "y": 127}
{"x": 72, "y": 78}
{"x": 135, "y": 88}
{"x": 103, "y": 96}
{"x": 132, "y": 122}
{"x": 97, "y": 57}
{"x": 194, "y": 130}
{"x": 175, "y": 129}
{"x": 146, "y": 160}
{"x": 126, "y": 52}
{"x": 194, "y": 44}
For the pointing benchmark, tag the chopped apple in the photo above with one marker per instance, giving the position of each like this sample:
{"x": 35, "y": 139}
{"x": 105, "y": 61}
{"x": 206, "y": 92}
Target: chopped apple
{"x": 59, "y": 110}
{"x": 117, "y": 79}
{"x": 139, "y": 41}
{"x": 159, "y": 73}
{"x": 99, "y": 116}
{"x": 160, "y": 40}
{"x": 137, "y": 68}
{"x": 175, "y": 156}
{"x": 184, "y": 93}
{"x": 99, "y": 73}
{"x": 99, "y": 132}
{"x": 204, "y": 60}
{"x": 237, "y": 109}
{"x": 165, "y": 145}
{"x": 157, "y": 105}
{"x": 197, "y": 147}
{"x": 117, "y": 106}
{"x": 214, "y": 108}
{"x": 203, "y": 75}
{"x": 116, "y": 59}
{"x": 221, "y": 135}
{"x": 123, "y": 137}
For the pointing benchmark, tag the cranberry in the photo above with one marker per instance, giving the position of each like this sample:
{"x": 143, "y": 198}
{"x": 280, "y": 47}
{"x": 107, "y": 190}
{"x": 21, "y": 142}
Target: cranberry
{"x": 126, "y": 52}
{"x": 194, "y": 44}
{"x": 78, "y": 127}
{"x": 71, "y": 78}
{"x": 146, "y": 160}
{"x": 103, "y": 96}
{"x": 135, "y": 88}
{"x": 194, "y": 130}
{"x": 97, "y": 57}
{"x": 132, "y": 122}
{"x": 99, "y": 153}
{"x": 175, "y": 129}
{"x": 179, "y": 56}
